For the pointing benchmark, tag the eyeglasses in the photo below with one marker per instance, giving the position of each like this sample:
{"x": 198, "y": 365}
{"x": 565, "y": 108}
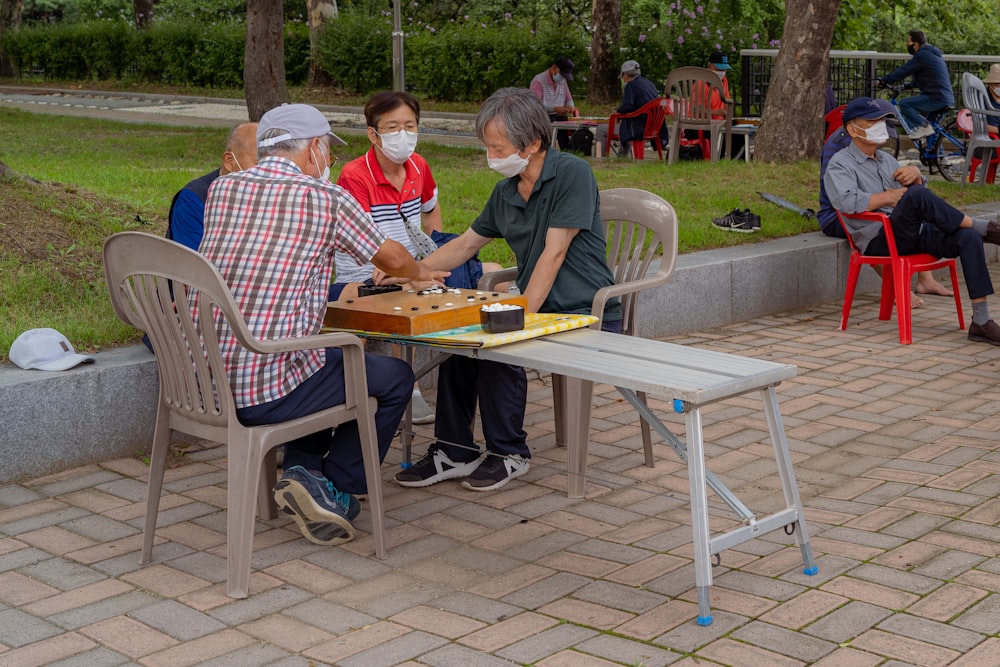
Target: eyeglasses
{"x": 390, "y": 128}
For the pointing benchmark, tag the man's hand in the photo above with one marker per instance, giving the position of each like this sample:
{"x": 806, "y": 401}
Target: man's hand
{"x": 908, "y": 175}
{"x": 887, "y": 199}
{"x": 563, "y": 111}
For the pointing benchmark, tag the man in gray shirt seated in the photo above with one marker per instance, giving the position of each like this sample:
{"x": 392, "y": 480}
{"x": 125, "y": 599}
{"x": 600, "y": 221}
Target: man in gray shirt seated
{"x": 863, "y": 178}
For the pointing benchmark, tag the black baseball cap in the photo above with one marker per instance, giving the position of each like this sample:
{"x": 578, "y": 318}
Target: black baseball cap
{"x": 565, "y": 66}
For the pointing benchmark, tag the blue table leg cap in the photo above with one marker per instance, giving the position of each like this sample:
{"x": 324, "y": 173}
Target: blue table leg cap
{"x": 811, "y": 571}
{"x": 405, "y": 465}
{"x": 679, "y": 407}
{"x": 704, "y": 620}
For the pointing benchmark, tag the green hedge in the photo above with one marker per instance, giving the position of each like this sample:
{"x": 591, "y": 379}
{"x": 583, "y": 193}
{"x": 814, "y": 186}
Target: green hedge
{"x": 183, "y": 53}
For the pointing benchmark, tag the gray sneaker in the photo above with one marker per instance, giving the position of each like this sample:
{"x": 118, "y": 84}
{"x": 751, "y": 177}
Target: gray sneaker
{"x": 322, "y": 513}
{"x": 421, "y": 412}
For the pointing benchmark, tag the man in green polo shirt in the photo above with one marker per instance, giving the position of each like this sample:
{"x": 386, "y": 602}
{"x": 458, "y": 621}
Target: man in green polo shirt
{"x": 548, "y": 210}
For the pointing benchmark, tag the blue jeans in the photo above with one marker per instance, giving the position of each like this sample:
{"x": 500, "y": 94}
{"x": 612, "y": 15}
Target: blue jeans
{"x": 338, "y": 455}
{"x": 501, "y": 390}
{"x": 923, "y": 222}
{"x": 913, "y": 109}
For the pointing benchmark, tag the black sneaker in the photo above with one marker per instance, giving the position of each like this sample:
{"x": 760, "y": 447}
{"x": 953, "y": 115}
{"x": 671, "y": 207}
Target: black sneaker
{"x": 495, "y": 471}
{"x": 738, "y": 221}
{"x": 751, "y": 219}
{"x": 434, "y": 467}
{"x": 322, "y": 513}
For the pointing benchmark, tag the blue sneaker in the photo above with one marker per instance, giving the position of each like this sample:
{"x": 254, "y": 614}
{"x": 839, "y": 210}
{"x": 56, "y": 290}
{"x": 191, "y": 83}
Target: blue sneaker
{"x": 323, "y": 513}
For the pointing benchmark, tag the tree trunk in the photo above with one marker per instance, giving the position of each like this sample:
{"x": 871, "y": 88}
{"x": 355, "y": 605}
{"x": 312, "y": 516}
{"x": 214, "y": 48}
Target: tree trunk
{"x": 143, "y": 10}
{"x": 264, "y": 60}
{"x": 603, "y": 86}
{"x": 10, "y": 21}
{"x": 318, "y": 11}
{"x": 792, "y": 121}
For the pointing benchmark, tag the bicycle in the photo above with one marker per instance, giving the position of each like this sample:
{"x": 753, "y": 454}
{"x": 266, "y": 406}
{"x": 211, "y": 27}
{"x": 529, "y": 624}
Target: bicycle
{"x": 943, "y": 150}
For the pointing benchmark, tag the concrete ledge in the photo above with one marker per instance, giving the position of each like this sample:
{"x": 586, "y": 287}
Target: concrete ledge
{"x": 54, "y": 421}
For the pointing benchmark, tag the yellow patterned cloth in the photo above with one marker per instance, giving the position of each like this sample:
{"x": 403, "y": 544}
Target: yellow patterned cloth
{"x": 535, "y": 325}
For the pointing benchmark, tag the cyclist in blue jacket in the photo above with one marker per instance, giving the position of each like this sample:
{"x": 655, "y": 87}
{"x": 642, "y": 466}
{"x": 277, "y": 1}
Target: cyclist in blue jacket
{"x": 930, "y": 77}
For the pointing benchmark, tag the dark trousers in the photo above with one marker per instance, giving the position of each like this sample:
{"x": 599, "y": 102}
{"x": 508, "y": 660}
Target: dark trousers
{"x": 923, "y": 222}
{"x": 501, "y": 390}
{"x": 338, "y": 455}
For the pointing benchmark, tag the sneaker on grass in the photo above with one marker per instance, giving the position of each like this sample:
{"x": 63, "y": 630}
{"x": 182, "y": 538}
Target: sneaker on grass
{"x": 495, "y": 471}
{"x": 434, "y": 467}
{"x": 322, "y": 513}
{"x": 738, "y": 221}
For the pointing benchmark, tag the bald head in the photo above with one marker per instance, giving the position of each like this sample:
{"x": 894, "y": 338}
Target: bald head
{"x": 241, "y": 149}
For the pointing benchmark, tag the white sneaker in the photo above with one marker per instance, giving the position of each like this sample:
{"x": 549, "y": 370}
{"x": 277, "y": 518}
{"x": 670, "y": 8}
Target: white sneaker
{"x": 422, "y": 413}
{"x": 922, "y": 132}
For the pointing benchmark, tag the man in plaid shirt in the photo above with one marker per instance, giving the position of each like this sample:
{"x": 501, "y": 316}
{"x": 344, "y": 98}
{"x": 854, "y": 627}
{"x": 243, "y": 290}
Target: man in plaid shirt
{"x": 272, "y": 232}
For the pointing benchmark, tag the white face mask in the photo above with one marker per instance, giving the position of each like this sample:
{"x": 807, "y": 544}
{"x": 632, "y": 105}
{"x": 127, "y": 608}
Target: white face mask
{"x": 512, "y": 165}
{"x": 877, "y": 133}
{"x": 996, "y": 90}
{"x": 558, "y": 78}
{"x": 325, "y": 174}
{"x": 398, "y": 146}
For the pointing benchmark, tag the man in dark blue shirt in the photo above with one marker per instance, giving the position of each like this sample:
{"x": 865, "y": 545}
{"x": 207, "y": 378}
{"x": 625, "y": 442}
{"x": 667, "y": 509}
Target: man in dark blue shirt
{"x": 930, "y": 77}
{"x": 638, "y": 91}
{"x": 186, "y": 220}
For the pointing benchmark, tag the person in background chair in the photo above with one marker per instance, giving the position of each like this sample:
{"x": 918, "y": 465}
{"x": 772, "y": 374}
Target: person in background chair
{"x": 186, "y": 219}
{"x": 862, "y": 178}
{"x": 827, "y": 216}
{"x": 552, "y": 88}
{"x": 638, "y": 92}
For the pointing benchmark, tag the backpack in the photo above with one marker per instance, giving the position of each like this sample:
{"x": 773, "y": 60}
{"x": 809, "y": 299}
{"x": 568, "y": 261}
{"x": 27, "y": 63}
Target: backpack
{"x": 582, "y": 141}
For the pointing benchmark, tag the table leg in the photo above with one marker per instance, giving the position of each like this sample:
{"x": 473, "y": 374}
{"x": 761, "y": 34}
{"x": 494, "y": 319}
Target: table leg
{"x": 787, "y": 475}
{"x": 577, "y": 397}
{"x": 699, "y": 514}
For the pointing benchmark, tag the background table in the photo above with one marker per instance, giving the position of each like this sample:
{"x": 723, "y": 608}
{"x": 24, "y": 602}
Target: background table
{"x": 578, "y": 124}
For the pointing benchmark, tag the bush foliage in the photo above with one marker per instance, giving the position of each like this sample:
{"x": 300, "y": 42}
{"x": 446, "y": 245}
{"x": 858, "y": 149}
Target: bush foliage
{"x": 180, "y": 52}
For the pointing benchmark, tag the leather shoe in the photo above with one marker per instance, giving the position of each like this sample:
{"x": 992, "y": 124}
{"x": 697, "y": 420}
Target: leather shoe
{"x": 992, "y": 233}
{"x": 985, "y": 333}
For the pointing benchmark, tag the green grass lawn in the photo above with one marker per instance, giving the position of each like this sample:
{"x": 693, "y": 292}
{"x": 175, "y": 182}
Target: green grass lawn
{"x": 136, "y": 169}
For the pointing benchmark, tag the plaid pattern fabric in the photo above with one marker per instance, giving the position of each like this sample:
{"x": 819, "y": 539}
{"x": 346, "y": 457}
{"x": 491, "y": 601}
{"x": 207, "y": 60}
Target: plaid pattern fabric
{"x": 272, "y": 232}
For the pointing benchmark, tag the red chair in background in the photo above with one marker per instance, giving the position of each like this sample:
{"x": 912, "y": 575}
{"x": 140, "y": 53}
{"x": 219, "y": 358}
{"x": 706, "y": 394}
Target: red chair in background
{"x": 655, "y": 112}
{"x": 834, "y": 120}
{"x": 964, "y": 122}
{"x": 897, "y": 272}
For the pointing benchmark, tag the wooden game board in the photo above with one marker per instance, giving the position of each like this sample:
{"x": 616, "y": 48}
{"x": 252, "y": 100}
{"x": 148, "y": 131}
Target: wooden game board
{"x": 411, "y": 312}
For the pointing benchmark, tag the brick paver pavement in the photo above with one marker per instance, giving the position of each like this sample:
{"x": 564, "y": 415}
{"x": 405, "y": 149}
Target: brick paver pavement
{"x": 895, "y": 449}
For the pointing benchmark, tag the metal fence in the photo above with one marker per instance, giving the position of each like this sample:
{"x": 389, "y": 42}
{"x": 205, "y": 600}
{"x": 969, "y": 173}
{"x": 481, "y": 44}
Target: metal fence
{"x": 851, "y": 73}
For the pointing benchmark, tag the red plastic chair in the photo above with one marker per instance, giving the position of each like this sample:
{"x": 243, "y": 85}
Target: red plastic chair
{"x": 897, "y": 273}
{"x": 834, "y": 120}
{"x": 655, "y": 112}
{"x": 964, "y": 122}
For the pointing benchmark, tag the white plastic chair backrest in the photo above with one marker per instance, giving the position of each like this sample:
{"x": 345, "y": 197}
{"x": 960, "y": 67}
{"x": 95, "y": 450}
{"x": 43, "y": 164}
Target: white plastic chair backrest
{"x": 639, "y": 227}
{"x": 150, "y": 279}
{"x": 975, "y": 97}
{"x": 691, "y": 89}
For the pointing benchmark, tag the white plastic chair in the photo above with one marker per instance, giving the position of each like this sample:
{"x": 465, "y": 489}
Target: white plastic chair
{"x": 149, "y": 279}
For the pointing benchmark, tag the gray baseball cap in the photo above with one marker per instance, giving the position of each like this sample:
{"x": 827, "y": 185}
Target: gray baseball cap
{"x": 299, "y": 121}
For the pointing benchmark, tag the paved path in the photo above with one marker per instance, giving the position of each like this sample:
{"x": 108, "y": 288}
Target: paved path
{"x": 189, "y": 110}
{"x": 896, "y": 451}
